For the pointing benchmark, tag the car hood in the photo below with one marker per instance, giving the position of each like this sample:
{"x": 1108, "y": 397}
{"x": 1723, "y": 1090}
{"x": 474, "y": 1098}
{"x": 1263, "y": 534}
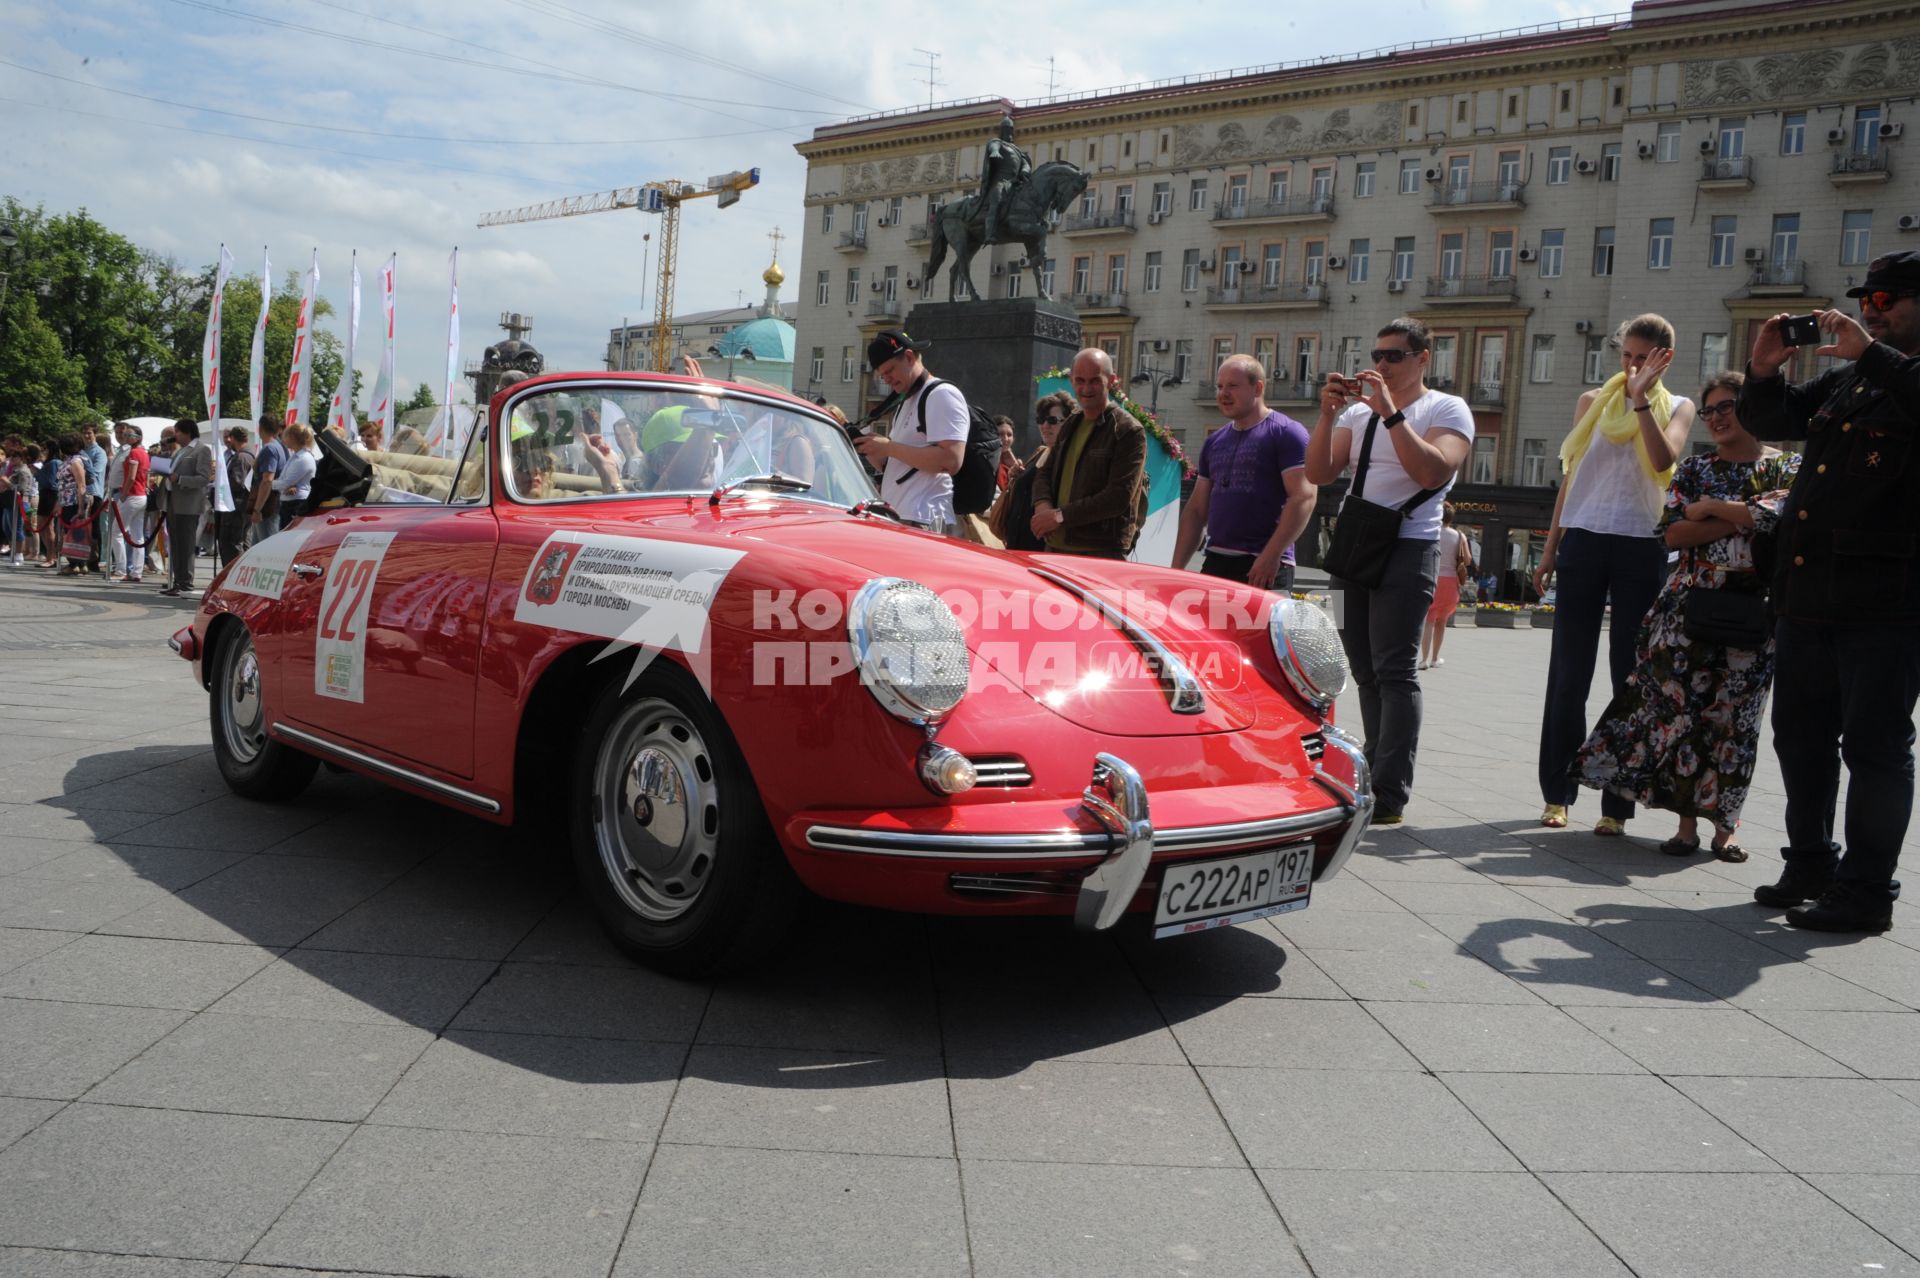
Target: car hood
{"x": 1073, "y": 633}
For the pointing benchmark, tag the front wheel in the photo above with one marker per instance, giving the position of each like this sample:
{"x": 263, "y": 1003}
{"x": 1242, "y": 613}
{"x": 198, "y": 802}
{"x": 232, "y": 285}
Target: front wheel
{"x": 669, "y": 838}
{"x": 253, "y": 764}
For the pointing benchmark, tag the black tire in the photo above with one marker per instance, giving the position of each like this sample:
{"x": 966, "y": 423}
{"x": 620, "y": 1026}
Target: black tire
{"x": 254, "y": 765}
{"x": 669, "y": 838}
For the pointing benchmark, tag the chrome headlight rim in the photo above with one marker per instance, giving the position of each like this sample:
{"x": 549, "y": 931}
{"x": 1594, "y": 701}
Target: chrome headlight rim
{"x": 1279, "y": 632}
{"x": 897, "y": 700}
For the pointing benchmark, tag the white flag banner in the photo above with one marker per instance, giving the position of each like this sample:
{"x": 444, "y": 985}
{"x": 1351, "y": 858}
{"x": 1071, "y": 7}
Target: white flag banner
{"x": 210, "y": 381}
{"x": 453, "y": 338}
{"x": 257, "y": 361}
{"x": 380, "y": 408}
{"x": 300, "y": 378}
{"x": 340, "y": 408}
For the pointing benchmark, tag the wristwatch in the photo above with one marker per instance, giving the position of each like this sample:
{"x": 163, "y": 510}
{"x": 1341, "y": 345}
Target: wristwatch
{"x": 1399, "y": 415}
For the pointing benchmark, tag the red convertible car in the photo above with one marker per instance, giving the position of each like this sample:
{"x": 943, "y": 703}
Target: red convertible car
{"x": 671, "y": 618}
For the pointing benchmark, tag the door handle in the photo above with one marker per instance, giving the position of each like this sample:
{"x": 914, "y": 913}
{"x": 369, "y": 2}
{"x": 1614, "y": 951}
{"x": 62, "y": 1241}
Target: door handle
{"x": 308, "y": 570}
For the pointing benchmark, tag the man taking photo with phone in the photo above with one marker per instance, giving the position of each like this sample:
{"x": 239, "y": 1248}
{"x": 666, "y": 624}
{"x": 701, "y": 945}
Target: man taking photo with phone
{"x": 1846, "y": 596}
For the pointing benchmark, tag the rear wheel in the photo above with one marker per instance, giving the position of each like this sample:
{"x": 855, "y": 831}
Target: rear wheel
{"x": 253, "y": 764}
{"x": 669, "y": 838}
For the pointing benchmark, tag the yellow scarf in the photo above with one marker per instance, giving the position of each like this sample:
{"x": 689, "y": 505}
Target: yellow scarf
{"x": 1618, "y": 423}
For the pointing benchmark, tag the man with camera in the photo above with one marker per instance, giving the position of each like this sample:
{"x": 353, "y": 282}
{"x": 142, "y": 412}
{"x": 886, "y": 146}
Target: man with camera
{"x": 928, "y": 439}
{"x": 1846, "y": 594}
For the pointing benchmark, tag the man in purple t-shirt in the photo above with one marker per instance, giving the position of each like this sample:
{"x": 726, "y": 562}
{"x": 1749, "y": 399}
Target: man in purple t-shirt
{"x": 1252, "y": 496}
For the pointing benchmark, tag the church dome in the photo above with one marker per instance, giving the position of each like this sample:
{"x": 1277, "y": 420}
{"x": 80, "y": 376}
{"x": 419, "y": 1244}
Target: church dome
{"x": 774, "y": 275}
{"x": 769, "y": 339}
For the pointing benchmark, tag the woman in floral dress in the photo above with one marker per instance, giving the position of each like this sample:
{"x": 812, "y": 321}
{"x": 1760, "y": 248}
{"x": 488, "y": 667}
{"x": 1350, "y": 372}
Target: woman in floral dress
{"x": 1685, "y": 733}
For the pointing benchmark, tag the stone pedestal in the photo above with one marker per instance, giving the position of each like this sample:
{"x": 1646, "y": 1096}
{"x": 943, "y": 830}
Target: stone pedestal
{"x": 995, "y": 350}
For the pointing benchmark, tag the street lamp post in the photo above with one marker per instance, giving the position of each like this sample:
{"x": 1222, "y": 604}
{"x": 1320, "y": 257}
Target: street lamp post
{"x": 1156, "y": 378}
{"x": 8, "y": 238}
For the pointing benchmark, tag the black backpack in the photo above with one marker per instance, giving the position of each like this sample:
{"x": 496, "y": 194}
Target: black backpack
{"x": 973, "y": 483}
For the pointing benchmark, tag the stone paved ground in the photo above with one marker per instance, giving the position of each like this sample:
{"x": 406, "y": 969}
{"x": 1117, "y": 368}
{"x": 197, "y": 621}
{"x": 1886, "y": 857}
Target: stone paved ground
{"x": 360, "y": 1033}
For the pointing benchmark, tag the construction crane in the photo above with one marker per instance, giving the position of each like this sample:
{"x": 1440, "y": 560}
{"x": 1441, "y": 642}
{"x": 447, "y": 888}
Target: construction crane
{"x": 664, "y": 198}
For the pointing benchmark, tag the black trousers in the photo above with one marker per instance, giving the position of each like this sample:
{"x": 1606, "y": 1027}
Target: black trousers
{"x": 229, "y": 533}
{"x": 182, "y": 530}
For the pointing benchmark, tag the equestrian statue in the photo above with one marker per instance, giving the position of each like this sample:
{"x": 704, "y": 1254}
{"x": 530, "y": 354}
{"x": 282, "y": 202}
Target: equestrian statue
{"x": 1015, "y": 204}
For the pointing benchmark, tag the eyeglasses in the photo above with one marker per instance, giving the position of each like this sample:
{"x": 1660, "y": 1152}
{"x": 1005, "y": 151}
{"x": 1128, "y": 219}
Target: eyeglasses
{"x": 1884, "y": 299}
{"x": 1714, "y": 410}
{"x": 1392, "y": 357}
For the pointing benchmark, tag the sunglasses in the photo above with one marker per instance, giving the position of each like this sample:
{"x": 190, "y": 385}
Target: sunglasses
{"x": 1884, "y": 299}
{"x": 1392, "y": 357}
{"x": 1714, "y": 410}
{"x": 1053, "y": 421}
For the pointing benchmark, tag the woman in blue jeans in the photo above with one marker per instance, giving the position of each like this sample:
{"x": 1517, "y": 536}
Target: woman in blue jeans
{"x": 1618, "y": 460}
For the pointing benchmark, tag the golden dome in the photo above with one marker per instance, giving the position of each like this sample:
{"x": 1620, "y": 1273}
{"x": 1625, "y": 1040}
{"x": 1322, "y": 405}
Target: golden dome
{"x": 773, "y": 275}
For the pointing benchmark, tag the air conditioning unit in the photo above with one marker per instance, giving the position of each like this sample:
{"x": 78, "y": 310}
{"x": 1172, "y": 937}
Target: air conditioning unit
{"x": 881, "y": 221}
{"x": 999, "y": 268}
{"x": 912, "y": 282}
{"x": 1756, "y": 255}
{"x": 1206, "y": 266}
{"x": 1708, "y": 146}
{"x": 1246, "y": 268}
{"x": 1583, "y": 326}
{"x": 1162, "y": 345}
{"x": 875, "y": 286}
{"x": 1334, "y": 263}
{"x": 1528, "y": 255}
{"x": 1646, "y": 150}
{"x": 1155, "y": 219}
{"x": 1396, "y": 286}
{"x": 1909, "y": 222}
{"x": 1433, "y": 174}
{"x": 1891, "y": 129}
{"x": 1836, "y": 137}
{"x": 1585, "y": 167}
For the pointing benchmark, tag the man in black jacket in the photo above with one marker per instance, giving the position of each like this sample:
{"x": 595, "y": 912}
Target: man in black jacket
{"x": 1846, "y": 592}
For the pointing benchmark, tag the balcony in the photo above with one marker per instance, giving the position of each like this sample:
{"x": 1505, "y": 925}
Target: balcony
{"x": 1303, "y": 208}
{"x": 1269, "y": 296}
{"x": 1733, "y": 173}
{"x": 1487, "y": 395}
{"x": 919, "y": 232}
{"x": 1112, "y": 302}
{"x": 1472, "y": 288}
{"x": 852, "y": 242}
{"x": 1307, "y": 392}
{"x": 1118, "y": 222}
{"x": 1476, "y": 196}
{"x": 1860, "y": 168}
{"x": 1777, "y": 279}
{"x": 883, "y": 308}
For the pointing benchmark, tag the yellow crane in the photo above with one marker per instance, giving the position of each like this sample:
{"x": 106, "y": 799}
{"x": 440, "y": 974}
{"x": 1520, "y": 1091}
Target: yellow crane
{"x": 664, "y": 198}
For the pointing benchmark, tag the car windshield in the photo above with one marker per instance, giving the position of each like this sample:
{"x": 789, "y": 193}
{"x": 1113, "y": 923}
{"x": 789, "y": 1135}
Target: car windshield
{"x": 574, "y": 442}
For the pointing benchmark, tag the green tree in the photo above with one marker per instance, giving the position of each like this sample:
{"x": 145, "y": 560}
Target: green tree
{"x": 239, "y": 313}
{"x": 422, "y": 398}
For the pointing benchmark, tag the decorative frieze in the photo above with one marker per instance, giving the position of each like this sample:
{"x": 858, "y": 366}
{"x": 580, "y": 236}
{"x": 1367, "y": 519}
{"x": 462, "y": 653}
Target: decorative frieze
{"x": 1343, "y": 128}
{"x": 1885, "y": 65}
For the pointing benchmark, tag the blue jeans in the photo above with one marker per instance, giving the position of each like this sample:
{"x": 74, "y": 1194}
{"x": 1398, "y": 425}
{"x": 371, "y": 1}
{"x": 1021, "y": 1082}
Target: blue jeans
{"x": 1846, "y": 693}
{"x": 1380, "y": 630}
{"x": 1591, "y": 568}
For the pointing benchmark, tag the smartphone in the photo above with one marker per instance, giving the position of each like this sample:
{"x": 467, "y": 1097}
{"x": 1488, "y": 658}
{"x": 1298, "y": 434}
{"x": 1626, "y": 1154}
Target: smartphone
{"x": 1800, "y": 330}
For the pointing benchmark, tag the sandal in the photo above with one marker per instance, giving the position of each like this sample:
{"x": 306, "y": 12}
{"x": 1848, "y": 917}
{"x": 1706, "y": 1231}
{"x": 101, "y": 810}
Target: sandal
{"x": 1677, "y": 846}
{"x": 1610, "y": 827}
{"x": 1554, "y": 816}
{"x": 1731, "y": 852}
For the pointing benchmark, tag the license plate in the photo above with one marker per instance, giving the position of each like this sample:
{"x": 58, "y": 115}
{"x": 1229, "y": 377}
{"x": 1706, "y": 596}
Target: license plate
{"x": 1197, "y": 895}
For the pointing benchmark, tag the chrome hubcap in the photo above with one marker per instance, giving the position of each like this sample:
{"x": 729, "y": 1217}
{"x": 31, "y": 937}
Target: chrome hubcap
{"x": 656, "y": 810}
{"x": 242, "y": 718}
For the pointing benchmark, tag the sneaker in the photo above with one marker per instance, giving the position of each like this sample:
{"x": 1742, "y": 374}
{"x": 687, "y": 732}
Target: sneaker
{"x": 1848, "y": 907}
{"x": 1439, "y": 661}
{"x": 1799, "y": 883}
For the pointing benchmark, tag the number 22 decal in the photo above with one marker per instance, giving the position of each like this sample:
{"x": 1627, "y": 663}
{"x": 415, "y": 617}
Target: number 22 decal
{"x": 340, "y": 642}
{"x": 354, "y": 583}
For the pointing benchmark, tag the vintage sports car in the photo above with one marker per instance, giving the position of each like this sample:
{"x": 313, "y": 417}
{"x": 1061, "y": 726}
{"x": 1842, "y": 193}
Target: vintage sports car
{"x": 670, "y": 619}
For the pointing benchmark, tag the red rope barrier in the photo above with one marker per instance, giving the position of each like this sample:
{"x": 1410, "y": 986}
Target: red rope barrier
{"x": 126, "y": 535}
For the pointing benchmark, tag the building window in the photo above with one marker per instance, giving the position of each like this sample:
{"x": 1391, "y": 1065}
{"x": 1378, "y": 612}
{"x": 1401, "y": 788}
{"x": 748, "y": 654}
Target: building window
{"x": 1316, "y": 272}
{"x": 1610, "y": 162}
{"x": 1279, "y": 185}
{"x": 1153, "y": 271}
{"x": 1306, "y": 358}
{"x": 1189, "y": 270}
{"x": 1856, "y": 233}
{"x": 817, "y": 366}
{"x": 1453, "y": 255}
{"x": 1237, "y": 193}
{"x": 1350, "y": 356}
{"x": 1533, "y": 463}
{"x": 1183, "y": 359}
{"x": 1273, "y": 263}
{"x": 1402, "y": 258}
{"x": 1786, "y": 238}
{"x": 1509, "y": 169}
{"x": 1197, "y": 194}
{"x": 1540, "y": 367}
{"x": 1793, "y": 133}
{"x": 1090, "y": 202}
{"x": 1667, "y": 143}
{"x": 1093, "y": 152}
{"x": 1046, "y": 276}
{"x": 1559, "y": 165}
{"x": 1660, "y": 244}
{"x": 1116, "y": 272}
{"x": 1593, "y": 362}
{"x": 1229, "y": 260}
{"x": 1413, "y": 116}
{"x": 1500, "y": 253}
{"x": 1603, "y": 250}
{"x": 1222, "y": 352}
{"x": 1866, "y": 130}
{"x": 1446, "y": 347}
{"x": 1123, "y": 200}
{"x": 822, "y": 287}
{"x": 846, "y": 363}
{"x": 860, "y": 219}
{"x": 1480, "y": 465}
{"x": 1359, "y": 254}
{"x": 1720, "y": 245}
{"x": 1014, "y": 277}
{"x": 1553, "y": 252}
{"x": 853, "y": 285}
{"x": 1162, "y": 198}
{"x": 1566, "y": 99}
{"x": 890, "y": 284}
{"x": 1082, "y": 273}
{"x": 1459, "y": 172}
{"x": 1409, "y": 177}
{"x": 1263, "y": 351}
{"x": 1126, "y": 149}
{"x": 1460, "y": 111}
{"x": 1513, "y": 106}
{"x": 1713, "y": 354}
{"x": 1733, "y": 138}
{"x": 1363, "y": 179}
{"x": 826, "y": 219}
{"x": 1619, "y": 95}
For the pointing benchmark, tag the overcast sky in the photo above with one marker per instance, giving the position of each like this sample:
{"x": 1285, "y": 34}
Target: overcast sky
{"x": 392, "y": 125}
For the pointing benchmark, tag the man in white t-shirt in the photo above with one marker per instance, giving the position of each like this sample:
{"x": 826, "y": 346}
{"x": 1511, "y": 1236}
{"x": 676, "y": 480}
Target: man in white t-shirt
{"x": 928, "y": 439}
{"x": 1417, "y": 447}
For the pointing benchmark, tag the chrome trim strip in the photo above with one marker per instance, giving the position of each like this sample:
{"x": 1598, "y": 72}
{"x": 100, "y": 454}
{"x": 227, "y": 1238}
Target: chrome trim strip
{"x": 1110, "y": 888}
{"x": 1002, "y": 772}
{"x": 1184, "y": 695}
{"x": 1010, "y": 883}
{"x": 454, "y": 792}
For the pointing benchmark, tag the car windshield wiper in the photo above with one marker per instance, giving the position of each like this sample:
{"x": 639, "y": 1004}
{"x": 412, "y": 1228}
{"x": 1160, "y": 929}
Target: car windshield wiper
{"x": 878, "y": 507}
{"x": 774, "y": 480}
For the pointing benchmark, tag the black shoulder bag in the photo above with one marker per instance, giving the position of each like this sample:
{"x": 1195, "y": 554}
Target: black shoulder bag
{"x": 1365, "y": 534}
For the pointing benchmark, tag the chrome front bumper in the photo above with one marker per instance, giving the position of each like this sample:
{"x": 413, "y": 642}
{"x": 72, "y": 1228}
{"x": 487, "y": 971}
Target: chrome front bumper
{"x": 1117, "y": 798}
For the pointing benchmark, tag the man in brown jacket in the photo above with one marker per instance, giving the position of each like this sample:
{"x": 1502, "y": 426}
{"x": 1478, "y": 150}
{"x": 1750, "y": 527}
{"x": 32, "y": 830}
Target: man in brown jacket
{"x": 1090, "y": 494}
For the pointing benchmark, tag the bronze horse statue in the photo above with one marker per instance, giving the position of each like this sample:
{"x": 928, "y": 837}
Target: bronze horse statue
{"x": 1052, "y": 188}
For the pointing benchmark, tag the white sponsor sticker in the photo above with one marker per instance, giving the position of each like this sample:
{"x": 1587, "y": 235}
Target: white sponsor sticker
{"x": 340, "y": 644}
{"x": 262, "y": 571}
{"x": 653, "y": 593}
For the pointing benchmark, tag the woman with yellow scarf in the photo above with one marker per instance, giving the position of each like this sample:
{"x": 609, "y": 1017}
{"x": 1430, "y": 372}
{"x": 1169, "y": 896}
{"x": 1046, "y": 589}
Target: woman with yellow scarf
{"x": 1617, "y": 460}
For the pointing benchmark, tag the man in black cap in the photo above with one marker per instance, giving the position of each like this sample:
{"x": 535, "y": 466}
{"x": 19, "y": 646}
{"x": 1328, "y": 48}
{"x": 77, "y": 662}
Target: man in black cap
{"x": 928, "y": 439}
{"x": 1846, "y": 592}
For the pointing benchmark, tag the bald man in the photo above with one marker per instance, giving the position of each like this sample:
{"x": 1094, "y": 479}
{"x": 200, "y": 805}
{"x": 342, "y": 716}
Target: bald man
{"x": 1090, "y": 494}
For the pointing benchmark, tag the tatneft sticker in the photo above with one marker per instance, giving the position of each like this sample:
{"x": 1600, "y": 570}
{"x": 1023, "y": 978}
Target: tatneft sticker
{"x": 654, "y": 593}
{"x": 340, "y": 644}
{"x": 262, "y": 571}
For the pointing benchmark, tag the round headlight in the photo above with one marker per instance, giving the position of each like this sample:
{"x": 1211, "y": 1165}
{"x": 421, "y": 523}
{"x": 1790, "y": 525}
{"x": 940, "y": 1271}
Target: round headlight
{"x": 1308, "y": 646}
{"x": 909, "y": 648}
